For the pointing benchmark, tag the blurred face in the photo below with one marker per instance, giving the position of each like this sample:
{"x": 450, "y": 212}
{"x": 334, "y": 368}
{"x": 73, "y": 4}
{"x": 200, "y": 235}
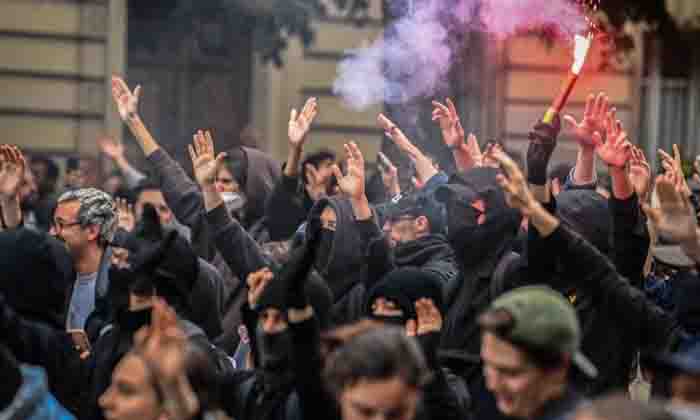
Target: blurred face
{"x": 408, "y": 228}
{"x": 389, "y": 399}
{"x": 225, "y": 182}
{"x": 685, "y": 389}
{"x": 40, "y": 171}
{"x": 131, "y": 394}
{"x": 75, "y": 178}
{"x": 521, "y": 388}
{"x": 67, "y": 229}
{"x": 272, "y": 321}
{"x": 156, "y": 199}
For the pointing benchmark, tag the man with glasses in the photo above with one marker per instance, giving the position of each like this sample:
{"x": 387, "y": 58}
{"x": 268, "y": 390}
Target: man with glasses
{"x": 85, "y": 220}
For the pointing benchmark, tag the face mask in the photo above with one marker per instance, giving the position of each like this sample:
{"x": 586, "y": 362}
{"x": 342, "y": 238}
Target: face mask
{"x": 398, "y": 321}
{"x": 323, "y": 252}
{"x": 234, "y": 202}
{"x": 273, "y": 349}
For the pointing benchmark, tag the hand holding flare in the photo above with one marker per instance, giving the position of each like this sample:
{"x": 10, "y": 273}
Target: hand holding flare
{"x": 581, "y": 48}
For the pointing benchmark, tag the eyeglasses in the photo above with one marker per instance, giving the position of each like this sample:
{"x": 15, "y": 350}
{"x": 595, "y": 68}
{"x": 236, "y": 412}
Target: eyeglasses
{"x": 60, "y": 224}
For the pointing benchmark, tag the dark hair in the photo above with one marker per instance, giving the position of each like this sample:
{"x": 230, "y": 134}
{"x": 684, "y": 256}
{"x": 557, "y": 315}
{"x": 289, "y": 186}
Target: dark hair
{"x": 379, "y": 354}
{"x": 316, "y": 159}
{"x": 51, "y": 167}
{"x": 620, "y": 407}
{"x": 500, "y": 322}
{"x": 560, "y": 171}
{"x": 72, "y": 164}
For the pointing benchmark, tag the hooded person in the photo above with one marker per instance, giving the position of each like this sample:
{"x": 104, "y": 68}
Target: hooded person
{"x": 130, "y": 293}
{"x": 256, "y": 173}
{"x": 340, "y": 258}
{"x": 37, "y": 273}
{"x": 285, "y": 382}
{"x": 481, "y": 229}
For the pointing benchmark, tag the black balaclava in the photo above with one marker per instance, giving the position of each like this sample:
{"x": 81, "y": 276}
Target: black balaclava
{"x": 404, "y": 286}
{"x": 325, "y": 246}
{"x": 37, "y": 273}
{"x": 586, "y": 212}
{"x": 478, "y": 244}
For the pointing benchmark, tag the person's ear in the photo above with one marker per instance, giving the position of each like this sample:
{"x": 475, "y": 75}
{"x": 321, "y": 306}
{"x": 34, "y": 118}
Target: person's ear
{"x": 93, "y": 232}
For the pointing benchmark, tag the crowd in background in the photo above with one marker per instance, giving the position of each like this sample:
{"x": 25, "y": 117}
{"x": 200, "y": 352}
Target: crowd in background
{"x": 236, "y": 286}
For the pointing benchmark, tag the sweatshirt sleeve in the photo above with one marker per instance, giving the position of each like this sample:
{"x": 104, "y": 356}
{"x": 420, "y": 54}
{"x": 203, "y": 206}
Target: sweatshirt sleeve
{"x": 630, "y": 238}
{"x": 589, "y": 270}
{"x": 240, "y": 251}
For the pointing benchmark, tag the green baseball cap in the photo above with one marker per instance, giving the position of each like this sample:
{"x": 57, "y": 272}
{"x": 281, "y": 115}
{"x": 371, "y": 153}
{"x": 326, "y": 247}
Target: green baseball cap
{"x": 544, "y": 320}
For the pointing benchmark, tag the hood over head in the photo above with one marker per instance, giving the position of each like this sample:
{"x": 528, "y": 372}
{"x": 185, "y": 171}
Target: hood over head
{"x": 37, "y": 274}
{"x": 261, "y": 174}
{"x": 340, "y": 256}
{"x": 587, "y": 213}
{"x": 478, "y": 237}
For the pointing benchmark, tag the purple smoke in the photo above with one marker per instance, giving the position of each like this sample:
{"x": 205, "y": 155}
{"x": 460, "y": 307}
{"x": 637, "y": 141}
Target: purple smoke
{"x": 414, "y": 57}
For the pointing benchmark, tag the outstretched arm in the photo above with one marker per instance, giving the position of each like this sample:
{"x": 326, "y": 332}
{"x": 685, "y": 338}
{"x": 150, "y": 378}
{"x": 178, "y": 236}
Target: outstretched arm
{"x": 12, "y": 167}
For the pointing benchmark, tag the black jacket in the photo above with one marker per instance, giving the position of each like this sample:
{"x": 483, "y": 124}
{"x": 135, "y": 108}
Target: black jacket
{"x": 287, "y": 208}
{"x": 646, "y": 325}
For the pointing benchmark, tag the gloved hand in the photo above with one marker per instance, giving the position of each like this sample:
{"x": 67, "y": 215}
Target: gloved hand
{"x": 543, "y": 140}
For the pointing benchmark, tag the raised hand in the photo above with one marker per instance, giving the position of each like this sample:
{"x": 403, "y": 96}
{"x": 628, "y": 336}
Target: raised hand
{"x": 639, "y": 173}
{"x": 675, "y": 218}
{"x": 488, "y": 159}
{"x": 353, "y": 183}
{"x": 424, "y": 166}
{"x": 450, "y": 125}
{"x": 204, "y": 162}
{"x": 12, "y": 167}
{"x": 126, "y": 101}
{"x": 390, "y": 175}
{"x": 429, "y": 318}
{"x": 617, "y": 149}
{"x": 675, "y": 164}
{"x": 594, "y": 116}
{"x": 162, "y": 346}
{"x": 113, "y": 149}
{"x": 300, "y": 123}
{"x": 514, "y": 185}
{"x": 126, "y": 218}
{"x": 257, "y": 281}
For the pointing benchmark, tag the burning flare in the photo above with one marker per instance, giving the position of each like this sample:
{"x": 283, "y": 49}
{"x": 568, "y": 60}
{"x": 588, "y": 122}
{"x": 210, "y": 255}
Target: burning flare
{"x": 582, "y": 44}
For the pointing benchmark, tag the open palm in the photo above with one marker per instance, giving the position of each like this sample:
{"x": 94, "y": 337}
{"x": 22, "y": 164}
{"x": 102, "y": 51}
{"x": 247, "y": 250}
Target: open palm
{"x": 12, "y": 166}
{"x": 126, "y": 101}
{"x": 450, "y": 125}
{"x": 299, "y": 124}
{"x": 594, "y": 117}
{"x": 204, "y": 162}
{"x": 353, "y": 183}
{"x": 617, "y": 149}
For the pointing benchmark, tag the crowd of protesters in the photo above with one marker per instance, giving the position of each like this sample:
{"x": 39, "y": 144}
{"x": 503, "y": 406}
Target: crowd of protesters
{"x": 251, "y": 289}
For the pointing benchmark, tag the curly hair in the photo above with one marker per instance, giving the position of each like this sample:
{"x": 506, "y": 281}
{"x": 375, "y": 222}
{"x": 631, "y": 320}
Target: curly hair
{"x": 96, "y": 208}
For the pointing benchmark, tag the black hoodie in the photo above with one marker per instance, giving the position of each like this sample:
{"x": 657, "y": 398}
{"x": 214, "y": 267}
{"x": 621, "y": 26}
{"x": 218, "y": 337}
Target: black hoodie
{"x": 343, "y": 265}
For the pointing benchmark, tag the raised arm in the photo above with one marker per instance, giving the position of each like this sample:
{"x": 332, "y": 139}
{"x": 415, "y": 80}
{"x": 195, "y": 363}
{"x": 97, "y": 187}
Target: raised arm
{"x": 242, "y": 254}
{"x": 424, "y": 167}
{"x": 467, "y": 154}
{"x": 12, "y": 167}
{"x": 181, "y": 194}
{"x": 589, "y": 270}
{"x": 115, "y": 151}
{"x": 594, "y": 117}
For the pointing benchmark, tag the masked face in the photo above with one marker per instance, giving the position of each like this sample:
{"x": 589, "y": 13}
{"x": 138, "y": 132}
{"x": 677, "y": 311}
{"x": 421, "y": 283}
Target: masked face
{"x": 274, "y": 349}
{"x": 323, "y": 253}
